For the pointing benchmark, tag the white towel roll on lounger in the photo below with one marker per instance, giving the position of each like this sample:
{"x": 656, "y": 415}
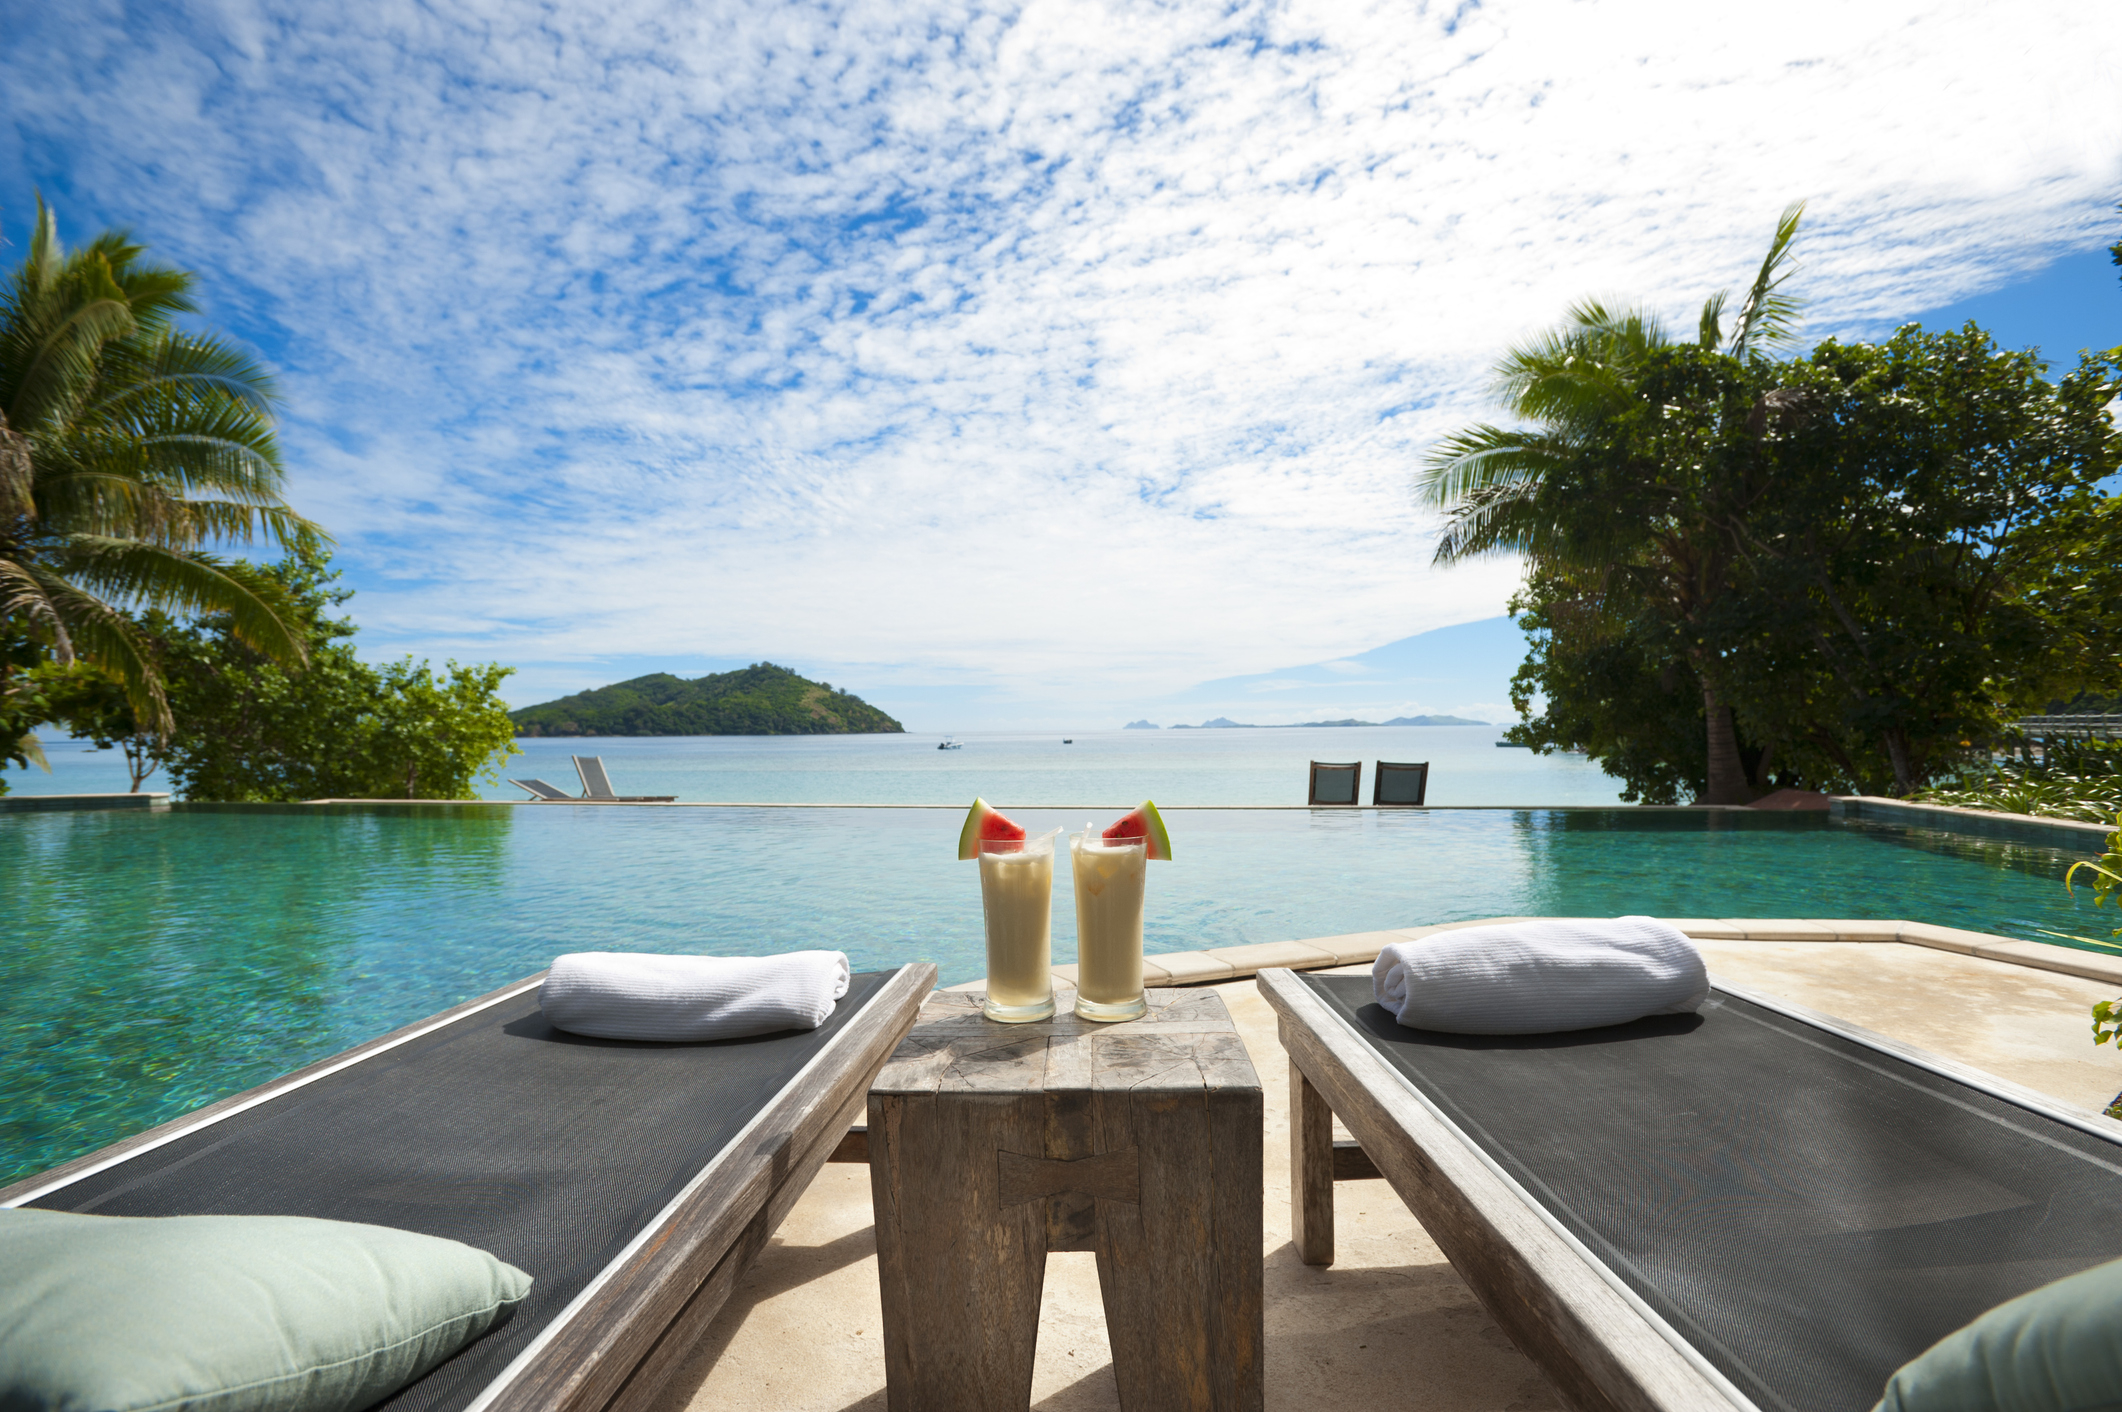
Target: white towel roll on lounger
{"x": 1539, "y": 977}
{"x": 634, "y": 995}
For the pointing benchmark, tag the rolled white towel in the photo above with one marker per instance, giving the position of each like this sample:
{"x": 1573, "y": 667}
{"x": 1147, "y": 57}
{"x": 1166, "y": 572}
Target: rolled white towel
{"x": 1540, "y": 977}
{"x": 634, "y": 995}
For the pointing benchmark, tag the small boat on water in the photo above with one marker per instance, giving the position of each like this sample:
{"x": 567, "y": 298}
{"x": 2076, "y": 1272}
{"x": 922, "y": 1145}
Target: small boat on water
{"x": 1068, "y": 740}
{"x": 950, "y": 745}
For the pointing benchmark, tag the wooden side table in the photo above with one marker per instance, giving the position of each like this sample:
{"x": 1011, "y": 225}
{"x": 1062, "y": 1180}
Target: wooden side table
{"x": 990, "y": 1145}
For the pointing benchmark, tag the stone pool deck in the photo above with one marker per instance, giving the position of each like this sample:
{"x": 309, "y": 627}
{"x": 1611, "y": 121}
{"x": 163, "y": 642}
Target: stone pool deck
{"x": 1390, "y": 1324}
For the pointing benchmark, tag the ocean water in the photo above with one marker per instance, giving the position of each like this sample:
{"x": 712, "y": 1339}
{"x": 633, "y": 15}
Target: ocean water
{"x": 161, "y": 960}
{"x": 1101, "y": 768}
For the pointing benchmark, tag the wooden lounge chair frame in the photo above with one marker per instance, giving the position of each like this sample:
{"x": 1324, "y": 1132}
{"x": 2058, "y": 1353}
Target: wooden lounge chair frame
{"x": 1600, "y": 1343}
{"x": 1355, "y": 787}
{"x": 618, "y": 1342}
{"x": 544, "y": 792}
{"x": 1587, "y": 1332}
{"x": 1377, "y": 784}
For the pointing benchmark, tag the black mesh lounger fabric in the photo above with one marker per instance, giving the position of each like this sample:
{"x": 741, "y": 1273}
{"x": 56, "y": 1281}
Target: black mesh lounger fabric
{"x": 548, "y": 1149}
{"x": 1807, "y": 1211}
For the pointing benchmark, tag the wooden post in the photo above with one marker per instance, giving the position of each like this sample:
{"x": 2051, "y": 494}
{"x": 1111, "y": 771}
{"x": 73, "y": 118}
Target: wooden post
{"x": 1311, "y": 1170}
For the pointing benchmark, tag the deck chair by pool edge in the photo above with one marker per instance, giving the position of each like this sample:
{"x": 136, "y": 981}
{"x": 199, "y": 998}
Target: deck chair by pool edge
{"x": 1335, "y": 785}
{"x": 1399, "y": 785}
{"x": 1595, "y": 1337}
{"x": 541, "y": 791}
{"x": 617, "y": 1341}
{"x": 597, "y": 784}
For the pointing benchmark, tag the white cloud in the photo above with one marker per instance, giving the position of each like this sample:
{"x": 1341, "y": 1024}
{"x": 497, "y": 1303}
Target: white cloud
{"x": 1083, "y": 349}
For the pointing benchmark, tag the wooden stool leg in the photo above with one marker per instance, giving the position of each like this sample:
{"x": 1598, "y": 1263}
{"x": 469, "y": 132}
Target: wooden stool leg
{"x": 1181, "y": 1271}
{"x": 1311, "y": 1170}
{"x": 960, "y": 1274}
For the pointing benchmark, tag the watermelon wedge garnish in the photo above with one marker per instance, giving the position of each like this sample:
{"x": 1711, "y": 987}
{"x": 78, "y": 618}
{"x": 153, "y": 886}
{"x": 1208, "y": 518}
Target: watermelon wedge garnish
{"x": 985, "y": 823}
{"x": 1145, "y": 823}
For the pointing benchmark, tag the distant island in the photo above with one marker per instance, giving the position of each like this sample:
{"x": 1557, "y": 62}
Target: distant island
{"x": 761, "y": 699}
{"x": 1139, "y": 726}
{"x": 1224, "y": 723}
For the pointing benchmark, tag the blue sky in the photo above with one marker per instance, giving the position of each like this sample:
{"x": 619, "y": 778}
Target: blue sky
{"x": 1019, "y": 365}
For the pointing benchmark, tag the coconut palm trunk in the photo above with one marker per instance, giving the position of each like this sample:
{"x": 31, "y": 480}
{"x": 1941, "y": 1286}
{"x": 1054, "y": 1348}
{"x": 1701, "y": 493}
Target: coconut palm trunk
{"x": 1726, "y": 782}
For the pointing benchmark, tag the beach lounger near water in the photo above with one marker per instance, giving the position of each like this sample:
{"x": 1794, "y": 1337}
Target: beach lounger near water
{"x": 1753, "y": 1207}
{"x": 596, "y": 787}
{"x": 597, "y": 784}
{"x": 634, "y": 1182}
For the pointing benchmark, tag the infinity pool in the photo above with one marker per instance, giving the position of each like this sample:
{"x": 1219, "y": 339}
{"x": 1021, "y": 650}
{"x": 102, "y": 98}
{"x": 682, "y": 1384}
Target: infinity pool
{"x": 158, "y": 961}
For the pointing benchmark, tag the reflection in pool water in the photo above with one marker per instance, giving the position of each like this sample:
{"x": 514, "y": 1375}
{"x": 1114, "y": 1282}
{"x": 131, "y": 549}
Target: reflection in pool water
{"x": 158, "y": 961}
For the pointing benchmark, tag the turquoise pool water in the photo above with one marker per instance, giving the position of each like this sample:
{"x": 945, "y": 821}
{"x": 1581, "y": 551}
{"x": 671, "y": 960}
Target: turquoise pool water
{"x": 158, "y": 961}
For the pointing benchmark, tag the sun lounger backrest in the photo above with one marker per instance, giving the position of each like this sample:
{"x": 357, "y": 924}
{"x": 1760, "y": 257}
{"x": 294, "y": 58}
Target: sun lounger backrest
{"x": 541, "y": 789}
{"x": 596, "y": 784}
{"x": 1396, "y": 783}
{"x": 1336, "y": 784}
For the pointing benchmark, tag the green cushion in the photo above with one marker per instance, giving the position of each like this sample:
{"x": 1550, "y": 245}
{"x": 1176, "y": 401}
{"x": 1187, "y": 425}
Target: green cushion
{"x": 2056, "y": 1349}
{"x": 219, "y": 1313}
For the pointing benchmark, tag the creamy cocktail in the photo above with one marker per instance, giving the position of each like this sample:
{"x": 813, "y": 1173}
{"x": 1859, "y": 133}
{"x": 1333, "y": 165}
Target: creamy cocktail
{"x": 1109, "y": 875}
{"x": 1017, "y": 897}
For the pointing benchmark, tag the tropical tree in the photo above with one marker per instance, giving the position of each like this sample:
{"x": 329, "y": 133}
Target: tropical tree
{"x": 130, "y": 451}
{"x": 252, "y": 730}
{"x": 1612, "y": 492}
{"x": 1936, "y": 556}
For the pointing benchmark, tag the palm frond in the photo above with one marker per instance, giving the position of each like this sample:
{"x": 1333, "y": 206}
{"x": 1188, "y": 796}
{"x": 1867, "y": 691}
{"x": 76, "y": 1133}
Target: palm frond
{"x": 188, "y": 584}
{"x": 1710, "y": 332}
{"x": 52, "y": 354}
{"x": 1769, "y": 319}
{"x": 26, "y": 597}
{"x": 1487, "y": 480}
{"x": 32, "y": 750}
{"x": 106, "y": 638}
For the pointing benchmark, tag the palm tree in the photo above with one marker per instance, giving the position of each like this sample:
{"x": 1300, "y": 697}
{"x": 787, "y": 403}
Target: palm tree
{"x": 1515, "y": 490}
{"x": 129, "y": 449}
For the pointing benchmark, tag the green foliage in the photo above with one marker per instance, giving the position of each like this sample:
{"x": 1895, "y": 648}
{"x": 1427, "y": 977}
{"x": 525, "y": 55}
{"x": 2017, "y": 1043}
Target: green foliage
{"x": 2107, "y": 874}
{"x": 23, "y": 703}
{"x": 1603, "y": 687}
{"x": 2075, "y": 780}
{"x": 250, "y": 729}
{"x": 94, "y": 705}
{"x": 1618, "y": 493}
{"x": 1875, "y": 556}
{"x": 128, "y": 449}
{"x": 1900, "y": 591}
{"x": 761, "y": 699}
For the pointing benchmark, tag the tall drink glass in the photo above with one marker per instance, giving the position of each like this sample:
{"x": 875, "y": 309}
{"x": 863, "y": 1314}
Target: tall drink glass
{"x": 1109, "y": 880}
{"x": 1017, "y": 898}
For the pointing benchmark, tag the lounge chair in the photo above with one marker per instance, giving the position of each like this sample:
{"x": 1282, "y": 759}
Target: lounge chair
{"x": 541, "y": 790}
{"x": 634, "y": 1182}
{"x": 1754, "y": 1207}
{"x": 597, "y": 785}
{"x": 1336, "y": 784}
{"x": 1400, "y": 784}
